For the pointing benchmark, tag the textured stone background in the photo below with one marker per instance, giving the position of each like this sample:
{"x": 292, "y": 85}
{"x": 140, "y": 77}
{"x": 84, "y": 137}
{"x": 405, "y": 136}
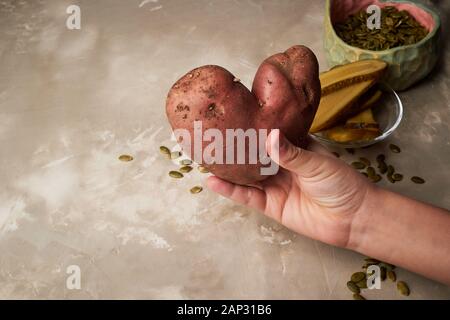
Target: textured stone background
{"x": 72, "y": 101}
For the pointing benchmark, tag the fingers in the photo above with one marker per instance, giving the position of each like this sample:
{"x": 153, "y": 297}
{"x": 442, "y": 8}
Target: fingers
{"x": 288, "y": 156}
{"x": 249, "y": 196}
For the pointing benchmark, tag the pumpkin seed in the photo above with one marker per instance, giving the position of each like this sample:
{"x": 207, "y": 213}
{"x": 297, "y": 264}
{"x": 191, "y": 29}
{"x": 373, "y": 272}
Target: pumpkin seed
{"x": 202, "y": 169}
{"x": 375, "y": 178}
{"x": 365, "y": 161}
{"x": 164, "y": 150}
{"x": 185, "y": 162}
{"x": 418, "y": 180}
{"x": 383, "y": 273}
{"x": 337, "y": 155}
{"x": 125, "y": 157}
{"x": 185, "y": 169}
{"x": 371, "y": 261}
{"x": 403, "y": 288}
{"x": 397, "y": 177}
{"x": 382, "y": 166}
{"x": 196, "y": 189}
{"x": 362, "y": 284}
{"x": 388, "y": 266}
{"x": 358, "y": 276}
{"x": 357, "y": 296}
{"x": 350, "y": 150}
{"x": 176, "y": 174}
{"x": 175, "y": 155}
{"x": 390, "y": 170}
{"x": 358, "y": 165}
{"x": 368, "y": 264}
{"x": 391, "y": 179}
{"x": 353, "y": 287}
{"x": 371, "y": 172}
{"x": 394, "y": 148}
{"x": 391, "y": 275}
{"x": 381, "y": 158}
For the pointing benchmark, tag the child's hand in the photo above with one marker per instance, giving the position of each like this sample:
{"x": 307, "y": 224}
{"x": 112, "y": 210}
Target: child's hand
{"x": 314, "y": 193}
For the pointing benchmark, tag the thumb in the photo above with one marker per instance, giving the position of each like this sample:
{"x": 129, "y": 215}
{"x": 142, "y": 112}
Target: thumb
{"x": 290, "y": 157}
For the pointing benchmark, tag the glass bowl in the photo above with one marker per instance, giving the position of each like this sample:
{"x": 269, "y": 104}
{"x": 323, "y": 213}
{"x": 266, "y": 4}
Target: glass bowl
{"x": 388, "y": 112}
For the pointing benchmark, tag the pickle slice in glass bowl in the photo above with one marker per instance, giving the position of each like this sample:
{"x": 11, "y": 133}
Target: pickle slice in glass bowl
{"x": 388, "y": 113}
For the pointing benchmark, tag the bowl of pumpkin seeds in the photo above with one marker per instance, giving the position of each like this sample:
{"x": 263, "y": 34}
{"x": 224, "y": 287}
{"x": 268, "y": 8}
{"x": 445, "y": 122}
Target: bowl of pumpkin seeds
{"x": 405, "y": 34}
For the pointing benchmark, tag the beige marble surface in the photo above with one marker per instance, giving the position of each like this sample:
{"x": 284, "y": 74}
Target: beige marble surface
{"x": 72, "y": 101}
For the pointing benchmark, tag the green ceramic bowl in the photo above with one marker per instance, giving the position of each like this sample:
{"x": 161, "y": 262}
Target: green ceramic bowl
{"x": 407, "y": 64}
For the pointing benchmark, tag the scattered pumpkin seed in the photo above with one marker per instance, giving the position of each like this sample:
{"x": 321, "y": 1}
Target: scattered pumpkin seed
{"x": 375, "y": 178}
{"x": 367, "y": 265}
{"x": 358, "y": 276}
{"x": 371, "y": 261}
{"x": 358, "y": 165}
{"x": 394, "y": 148}
{"x": 365, "y": 161}
{"x": 391, "y": 275}
{"x": 357, "y": 296}
{"x": 202, "y": 169}
{"x": 185, "y": 162}
{"x": 125, "y": 158}
{"x": 403, "y": 288}
{"x": 176, "y": 174}
{"x": 337, "y": 155}
{"x": 350, "y": 150}
{"x": 164, "y": 150}
{"x": 390, "y": 170}
{"x": 397, "y": 177}
{"x": 417, "y": 180}
{"x": 353, "y": 287}
{"x": 362, "y": 284}
{"x": 175, "y": 155}
{"x": 383, "y": 273}
{"x": 381, "y": 158}
{"x": 185, "y": 169}
{"x": 371, "y": 172}
{"x": 388, "y": 266}
{"x": 391, "y": 179}
{"x": 196, "y": 189}
{"x": 382, "y": 166}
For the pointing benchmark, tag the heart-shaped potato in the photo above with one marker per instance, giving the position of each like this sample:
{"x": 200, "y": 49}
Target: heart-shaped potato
{"x": 285, "y": 96}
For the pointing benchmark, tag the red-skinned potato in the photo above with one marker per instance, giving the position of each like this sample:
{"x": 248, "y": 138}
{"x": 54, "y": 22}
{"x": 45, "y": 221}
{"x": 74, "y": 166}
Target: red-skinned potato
{"x": 285, "y": 96}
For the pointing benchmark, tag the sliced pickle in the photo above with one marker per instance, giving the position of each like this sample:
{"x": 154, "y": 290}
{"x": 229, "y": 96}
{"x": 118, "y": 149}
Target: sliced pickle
{"x": 341, "y": 134}
{"x": 340, "y": 105}
{"x": 372, "y": 97}
{"x": 363, "y": 120}
{"x": 349, "y": 74}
